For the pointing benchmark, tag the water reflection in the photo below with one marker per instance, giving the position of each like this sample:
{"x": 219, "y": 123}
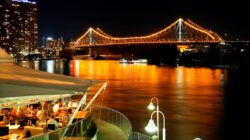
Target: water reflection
{"x": 191, "y": 98}
{"x": 50, "y": 66}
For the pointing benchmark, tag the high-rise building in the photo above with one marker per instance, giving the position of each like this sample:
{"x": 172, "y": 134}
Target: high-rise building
{"x": 53, "y": 46}
{"x": 18, "y": 26}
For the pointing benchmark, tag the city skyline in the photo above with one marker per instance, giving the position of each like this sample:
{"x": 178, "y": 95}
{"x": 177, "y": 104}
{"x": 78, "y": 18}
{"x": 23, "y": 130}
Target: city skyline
{"x": 131, "y": 18}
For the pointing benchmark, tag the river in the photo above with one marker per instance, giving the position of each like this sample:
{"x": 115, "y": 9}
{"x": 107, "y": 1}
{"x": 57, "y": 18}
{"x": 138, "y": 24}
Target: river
{"x": 197, "y": 101}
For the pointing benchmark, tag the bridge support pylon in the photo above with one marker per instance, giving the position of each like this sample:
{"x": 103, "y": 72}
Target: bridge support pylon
{"x": 90, "y": 52}
{"x": 94, "y": 53}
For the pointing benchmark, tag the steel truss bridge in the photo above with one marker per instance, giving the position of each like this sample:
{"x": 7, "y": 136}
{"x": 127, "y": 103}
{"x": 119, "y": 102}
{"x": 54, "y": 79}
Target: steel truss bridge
{"x": 179, "y": 32}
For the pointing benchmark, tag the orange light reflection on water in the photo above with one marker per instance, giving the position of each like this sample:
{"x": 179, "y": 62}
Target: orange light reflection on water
{"x": 190, "y": 97}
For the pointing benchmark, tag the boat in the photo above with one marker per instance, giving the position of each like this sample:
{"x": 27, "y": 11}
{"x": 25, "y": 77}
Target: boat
{"x": 133, "y": 61}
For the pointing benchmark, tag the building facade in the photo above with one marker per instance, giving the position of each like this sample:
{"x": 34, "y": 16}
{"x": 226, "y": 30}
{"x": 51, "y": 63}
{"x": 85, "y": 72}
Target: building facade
{"x": 18, "y": 26}
{"x": 53, "y": 47}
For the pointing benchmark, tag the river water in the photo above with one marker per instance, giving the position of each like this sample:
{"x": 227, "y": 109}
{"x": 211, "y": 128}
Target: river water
{"x": 197, "y": 101}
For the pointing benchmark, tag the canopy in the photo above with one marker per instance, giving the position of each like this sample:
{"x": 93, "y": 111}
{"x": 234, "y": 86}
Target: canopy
{"x": 17, "y": 81}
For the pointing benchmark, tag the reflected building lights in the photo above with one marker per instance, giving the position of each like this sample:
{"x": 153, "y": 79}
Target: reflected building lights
{"x": 91, "y": 69}
{"x": 36, "y": 65}
{"x": 50, "y": 66}
{"x": 179, "y": 76}
{"x": 61, "y": 68}
{"x": 77, "y": 68}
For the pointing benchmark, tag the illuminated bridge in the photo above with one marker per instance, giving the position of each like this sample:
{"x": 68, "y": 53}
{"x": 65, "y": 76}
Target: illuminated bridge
{"x": 179, "y": 32}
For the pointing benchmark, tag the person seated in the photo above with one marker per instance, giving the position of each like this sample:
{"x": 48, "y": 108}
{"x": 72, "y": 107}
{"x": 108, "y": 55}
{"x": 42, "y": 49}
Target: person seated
{"x": 39, "y": 114}
{"x": 41, "y": 118}
{"x": 33, "y": 121}
{"x": 27, "y": 134}
{"x": 13, "y": 116}
{"x": 2, "y": 123}
{"x": 58, "y": 113}
{"x": 52, "y": 121}
{"x": 14, "y": 112}
{"x": 21, "y": 114}
{"x": 55, "y": 108}
{"x": 31, "y": 110}
{"x": 65, "y": 117}
{"x": 49, "y": 109}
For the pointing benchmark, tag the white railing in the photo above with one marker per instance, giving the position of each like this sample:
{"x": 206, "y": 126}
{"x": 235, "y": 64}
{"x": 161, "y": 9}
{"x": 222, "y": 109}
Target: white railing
{"x": 100, "y": 113}
{"x": 139, "y": 136}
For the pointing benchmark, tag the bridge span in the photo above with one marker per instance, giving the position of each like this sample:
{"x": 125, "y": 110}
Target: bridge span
{"x": 180, "y": 32}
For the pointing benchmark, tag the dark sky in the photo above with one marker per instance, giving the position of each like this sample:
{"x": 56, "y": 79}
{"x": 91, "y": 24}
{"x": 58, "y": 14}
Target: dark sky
{"x": 70, "y": 18}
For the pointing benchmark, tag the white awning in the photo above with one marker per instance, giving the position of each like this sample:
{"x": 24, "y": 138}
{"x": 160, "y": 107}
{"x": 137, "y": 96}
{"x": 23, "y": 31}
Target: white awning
{"x": 24, "y": 83}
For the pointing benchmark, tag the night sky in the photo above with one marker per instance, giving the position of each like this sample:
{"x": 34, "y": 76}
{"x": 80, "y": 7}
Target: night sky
{"x": 69, "y": 19}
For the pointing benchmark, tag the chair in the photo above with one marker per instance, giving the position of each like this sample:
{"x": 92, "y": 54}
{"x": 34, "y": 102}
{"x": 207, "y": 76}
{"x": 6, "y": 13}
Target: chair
{"x": 51, "y": 126}
{"x": 57, "y": 119}
{"x": 27, "y": 134}
{"x": 33, "y": 130}
{"x": 1, "y": 117}
{"x": 4, "y": 130}
{"x": 22, "y": 124}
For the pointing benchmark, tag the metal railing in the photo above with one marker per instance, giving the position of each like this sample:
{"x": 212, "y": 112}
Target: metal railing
{"x": 81, "y": 128}
{"x": 100, "y": 113}
{"x": 139, "y": 136}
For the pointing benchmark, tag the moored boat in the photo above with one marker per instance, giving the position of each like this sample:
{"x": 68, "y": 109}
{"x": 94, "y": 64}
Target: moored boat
{"x": 133, "y": 61}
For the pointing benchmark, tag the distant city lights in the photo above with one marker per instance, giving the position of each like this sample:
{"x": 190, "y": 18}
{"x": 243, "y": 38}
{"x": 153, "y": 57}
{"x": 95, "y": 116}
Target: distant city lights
{"x": 24, "y": 1}
{"x": 49, "y": 38}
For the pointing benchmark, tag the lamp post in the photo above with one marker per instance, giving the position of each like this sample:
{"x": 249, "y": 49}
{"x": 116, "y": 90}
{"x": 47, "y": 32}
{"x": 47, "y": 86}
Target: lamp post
{"x": 151, "y": 127}
{"x": 152, "y": 107}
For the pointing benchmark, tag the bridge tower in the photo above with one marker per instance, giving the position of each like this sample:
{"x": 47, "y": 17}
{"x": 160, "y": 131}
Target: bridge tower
{"x": 90, "y": 41}
{"x": 179, "y": 29}
{"x": 93, "y": 52}
{"x": 90, "y": 36}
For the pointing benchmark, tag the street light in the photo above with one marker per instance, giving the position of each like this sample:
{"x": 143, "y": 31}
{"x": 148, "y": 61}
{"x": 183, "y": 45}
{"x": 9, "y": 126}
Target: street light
{"x": 152, "y": 107}
{"x": 152, "y": 128}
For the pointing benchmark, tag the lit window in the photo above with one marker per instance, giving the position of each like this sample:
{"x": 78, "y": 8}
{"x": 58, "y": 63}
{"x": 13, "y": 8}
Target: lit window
{"x": 5, "y": 23}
